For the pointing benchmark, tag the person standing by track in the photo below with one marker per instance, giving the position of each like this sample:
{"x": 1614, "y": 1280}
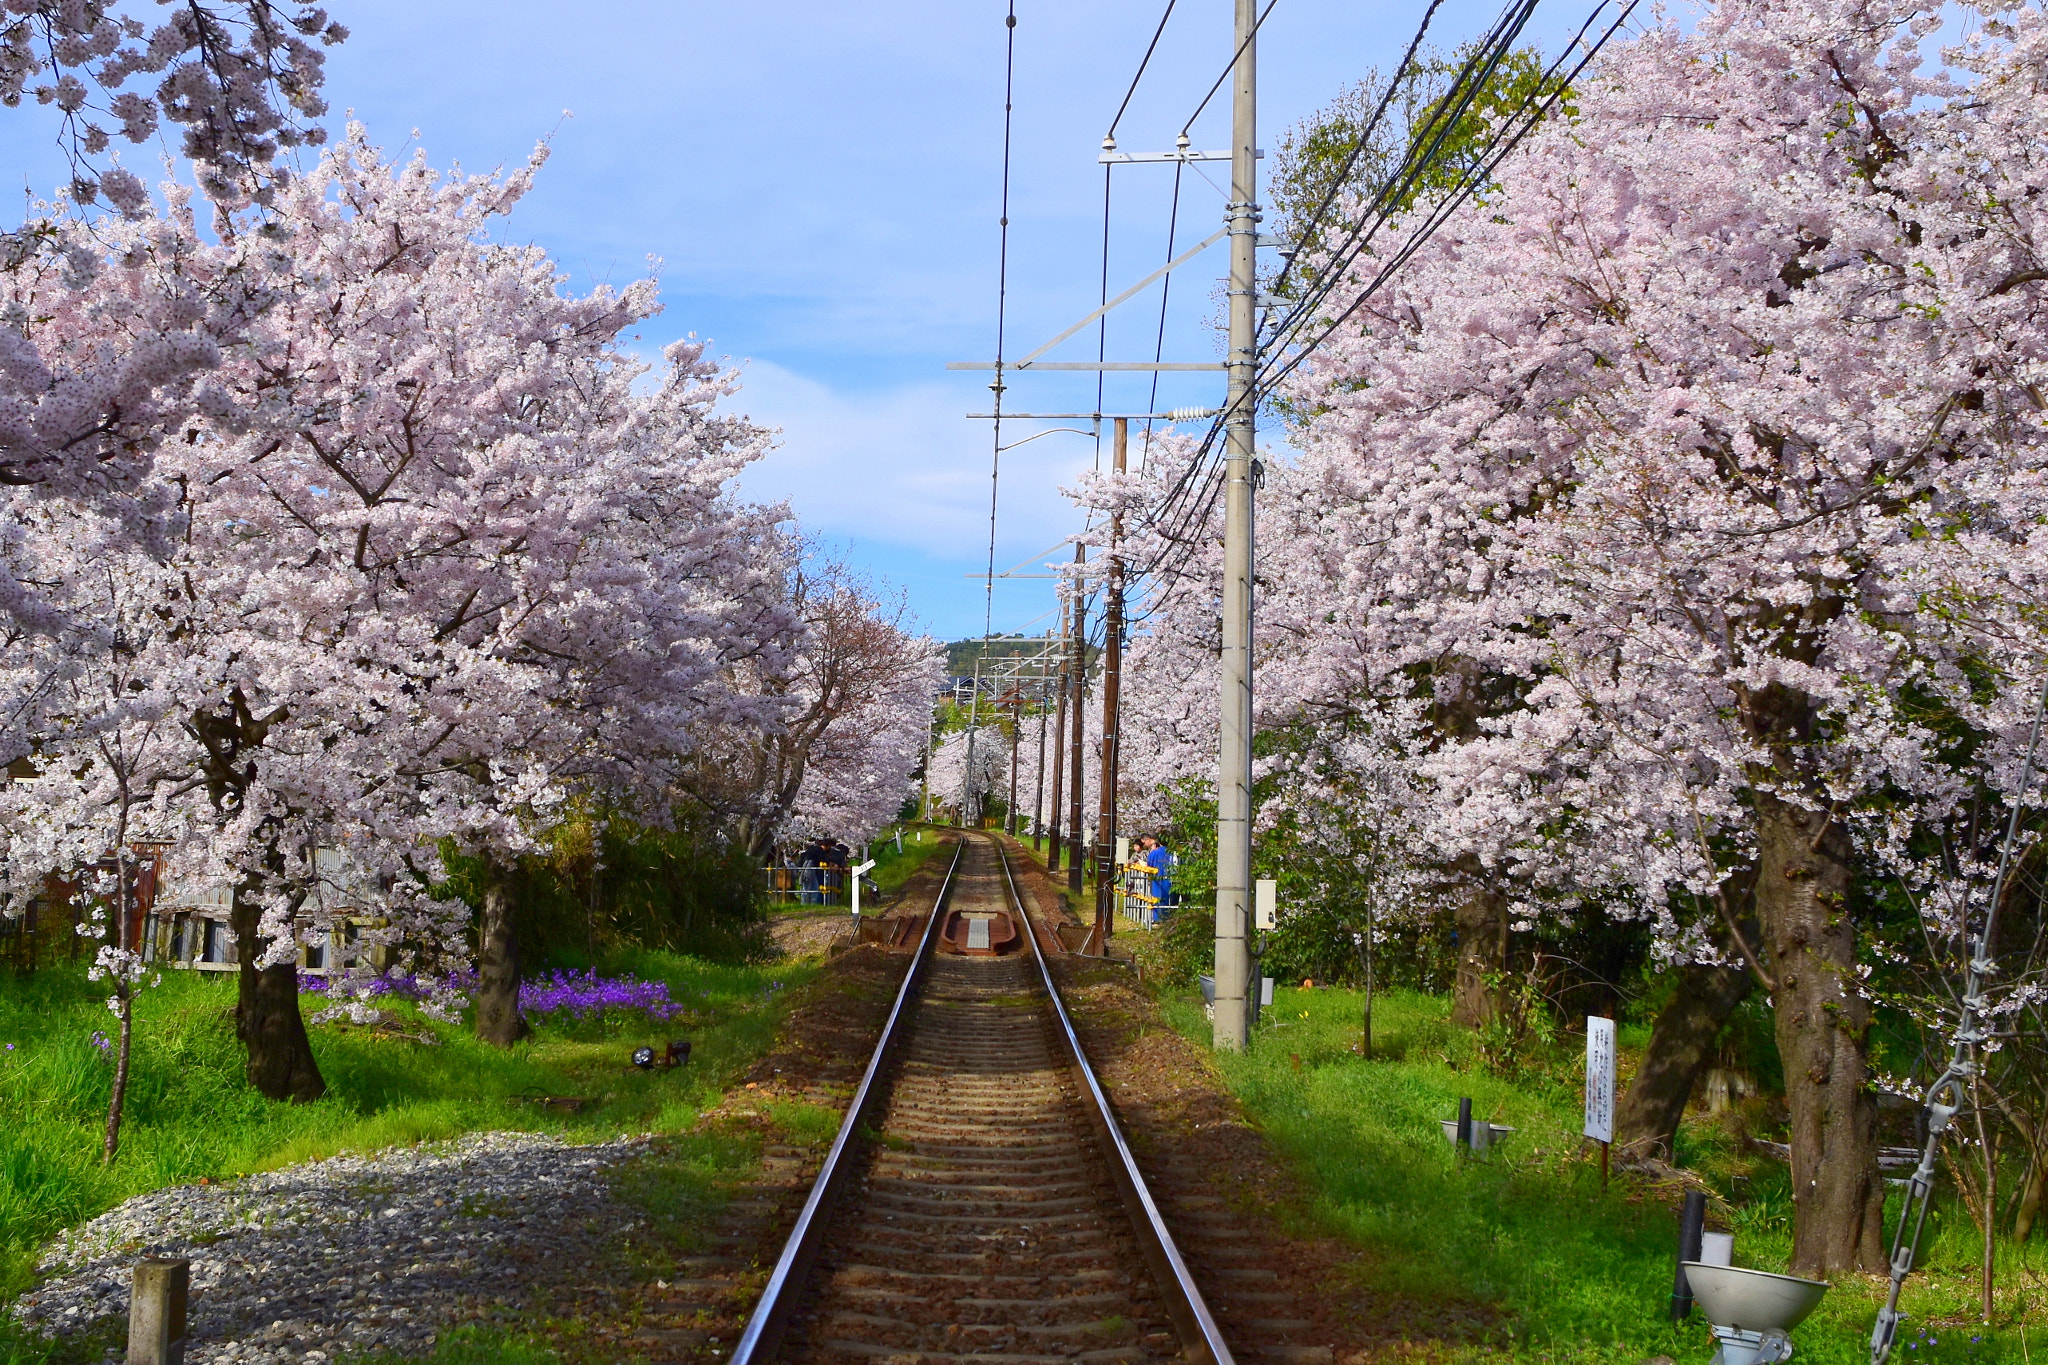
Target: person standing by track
{"x": 1160, "y": 859}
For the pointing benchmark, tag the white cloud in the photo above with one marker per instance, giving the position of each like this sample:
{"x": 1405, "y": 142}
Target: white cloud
{"x": 904, "y": 466}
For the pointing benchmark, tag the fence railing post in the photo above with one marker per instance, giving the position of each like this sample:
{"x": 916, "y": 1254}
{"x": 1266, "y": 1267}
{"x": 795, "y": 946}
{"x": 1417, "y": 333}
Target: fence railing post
{"x": 156, "y": 1311}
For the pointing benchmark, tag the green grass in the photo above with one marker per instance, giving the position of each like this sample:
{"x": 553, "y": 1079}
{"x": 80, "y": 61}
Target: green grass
{"x": 1579, "y": 1273}
{"x": 478, "y": 1345}
{"x": 191, "y": 1115}
{"x": 892, "y": 869}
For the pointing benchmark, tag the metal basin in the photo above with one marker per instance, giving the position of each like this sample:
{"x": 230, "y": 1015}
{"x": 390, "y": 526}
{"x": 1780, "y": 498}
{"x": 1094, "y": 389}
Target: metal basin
{"x": 1752, "y": 1300}
{"x": 1484, "y": 1134}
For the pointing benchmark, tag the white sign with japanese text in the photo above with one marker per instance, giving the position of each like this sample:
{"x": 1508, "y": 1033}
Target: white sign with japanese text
{"x": 1600, "y": 1079}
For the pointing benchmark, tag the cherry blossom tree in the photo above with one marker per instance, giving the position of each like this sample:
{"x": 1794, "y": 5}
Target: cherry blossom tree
{"x": 440, "y": 568}
{"x": 549, "y": 575}
{"x": 238, "y": 78}
{"x": 114, "y": 766}
{"x": 104, "y": 335}
{"x": 1713, "y": 437}
{"x": 964, "y": 781}
{"x": 837, "y": 757}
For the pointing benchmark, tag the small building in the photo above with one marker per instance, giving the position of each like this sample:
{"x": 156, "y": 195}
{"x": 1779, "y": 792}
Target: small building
{"x": 183, "y": 928}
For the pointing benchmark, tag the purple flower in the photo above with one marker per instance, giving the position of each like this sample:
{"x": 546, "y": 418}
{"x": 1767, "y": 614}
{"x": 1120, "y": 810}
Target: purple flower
{"x": 404, "y": 985}
{"x": 579, "y": 995}
{"x": 569, "y": 995}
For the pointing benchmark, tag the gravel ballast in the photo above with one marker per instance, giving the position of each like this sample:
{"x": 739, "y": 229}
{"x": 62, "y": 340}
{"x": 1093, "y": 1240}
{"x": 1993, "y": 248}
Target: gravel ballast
{"x": 359, "y": 1253}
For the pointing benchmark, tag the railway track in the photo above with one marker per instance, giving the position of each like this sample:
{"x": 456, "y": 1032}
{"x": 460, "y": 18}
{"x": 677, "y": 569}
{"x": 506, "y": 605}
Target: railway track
{"x": 979, "y": 1203}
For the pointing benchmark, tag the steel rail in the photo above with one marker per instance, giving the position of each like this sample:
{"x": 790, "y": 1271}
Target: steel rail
{"x": 778, "y": 1302}
{"x": 1201, "y": 1339}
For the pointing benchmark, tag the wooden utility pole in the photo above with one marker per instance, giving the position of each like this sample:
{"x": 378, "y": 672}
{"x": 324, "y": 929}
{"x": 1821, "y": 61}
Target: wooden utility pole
{"x": 1038, "y": 792}
{"x": 1059, "y": 745}
{"x": 1112, "y": 677}
{"x": 1016, "y": 727}
{"x": 971, "y": 819}
{"x": 1076, "y": 858}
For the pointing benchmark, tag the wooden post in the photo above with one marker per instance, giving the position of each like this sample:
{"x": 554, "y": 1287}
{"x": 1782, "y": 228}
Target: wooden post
{"x": 1016, "y": 728}
{"x": 156, "y": 1311}
{"x": 1077, "y": 841}
{"x": 1112, "y": 674}
{"x": 1059, "y": 749}
{"x": 1038, "y": 791}
{"x": 1692, "y": 1221}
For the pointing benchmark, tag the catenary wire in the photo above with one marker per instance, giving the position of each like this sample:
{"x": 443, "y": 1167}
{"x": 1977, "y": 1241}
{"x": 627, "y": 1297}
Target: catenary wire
{"x": 1256, "y": 25}
{"x": 1484, "y": 57}
{"x": 1165, "y": 293}
{"x": 1139, "y": 75}
{"x": 1421, "y": 155}
{"x": 995, "y": 466}
{"x": 1208, "y": 440}
{"x": 1424, "y": 148}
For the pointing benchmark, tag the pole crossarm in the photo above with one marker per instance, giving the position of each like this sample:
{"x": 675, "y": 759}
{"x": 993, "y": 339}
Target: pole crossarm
{"x": 1174, "y": 415}
{"x": 1093, "y": 365}
{"x": 1143, "y": 158}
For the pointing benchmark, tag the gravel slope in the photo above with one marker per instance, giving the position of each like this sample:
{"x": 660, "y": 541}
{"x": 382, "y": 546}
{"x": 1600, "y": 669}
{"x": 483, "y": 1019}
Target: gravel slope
{"x": 353, "y": 1254}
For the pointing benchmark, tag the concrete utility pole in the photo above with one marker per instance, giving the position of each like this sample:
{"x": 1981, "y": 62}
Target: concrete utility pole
{"x": 1234, "y": 774}
{"x": 1112, "y": 678}
{"x": 1059, "y": 746}
{"x": 1076, "y": 857}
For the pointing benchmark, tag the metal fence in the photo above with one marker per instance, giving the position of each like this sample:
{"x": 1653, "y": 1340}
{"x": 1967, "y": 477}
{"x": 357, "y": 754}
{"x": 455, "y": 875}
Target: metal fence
{"x": 792, "y": 883}
{"x": 1135, "y": 901}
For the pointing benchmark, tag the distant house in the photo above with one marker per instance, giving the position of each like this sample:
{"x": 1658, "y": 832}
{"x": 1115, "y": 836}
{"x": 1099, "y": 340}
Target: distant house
{"x": 189, "y": 927}
{"x": 184, "y": 927}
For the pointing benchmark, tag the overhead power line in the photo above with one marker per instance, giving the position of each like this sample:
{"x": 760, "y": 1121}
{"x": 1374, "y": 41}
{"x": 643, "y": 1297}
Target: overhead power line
{"x": 1182, "y": 514}
{"x": 1518, "y": 126}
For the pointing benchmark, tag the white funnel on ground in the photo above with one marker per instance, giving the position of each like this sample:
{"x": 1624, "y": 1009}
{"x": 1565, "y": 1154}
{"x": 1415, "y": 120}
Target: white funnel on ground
{"x": 1752, "y": 1310}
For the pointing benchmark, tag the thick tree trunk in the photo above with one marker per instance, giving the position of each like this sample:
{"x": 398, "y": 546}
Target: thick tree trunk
{"x": 1481, "y": 914}
{"x": 267, "y": 1019}
{"x": 1823, "y": 1031}
{"x": 2030, "y": 1198}
{"x": 498, "y": 1019}
{"x": 1681, "y": 1044}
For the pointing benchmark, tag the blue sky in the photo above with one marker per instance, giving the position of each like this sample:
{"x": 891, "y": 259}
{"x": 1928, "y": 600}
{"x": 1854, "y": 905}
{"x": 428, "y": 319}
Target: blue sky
{"x": 820, "y": 184}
